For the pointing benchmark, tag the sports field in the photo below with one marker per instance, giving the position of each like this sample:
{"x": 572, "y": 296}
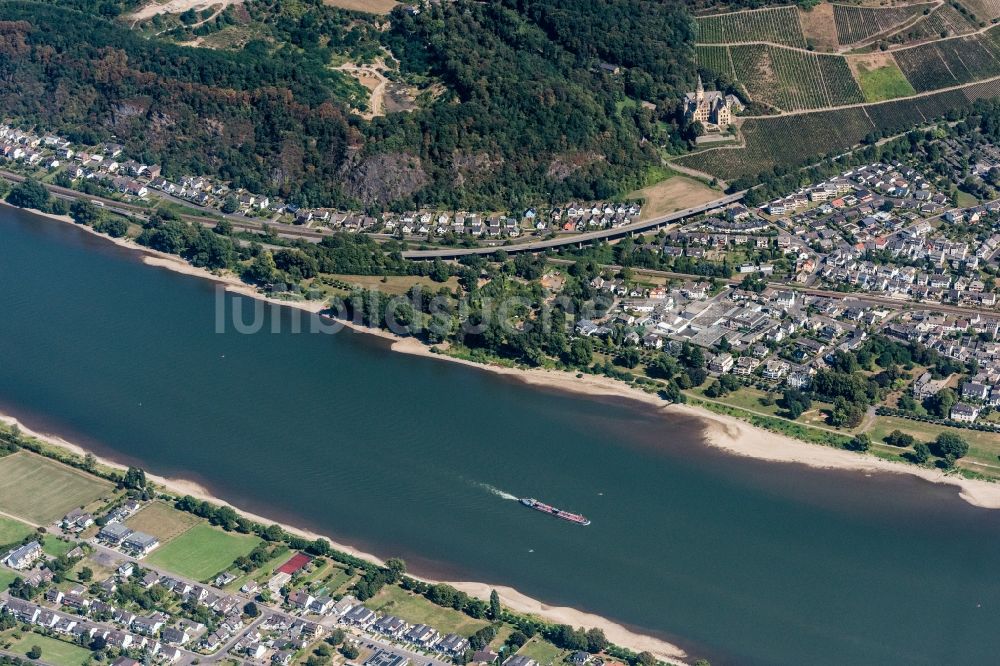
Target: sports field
{"x": 202, "y": 551}
{"x": 41, "y": 491}
{"x": 162, "y": 521}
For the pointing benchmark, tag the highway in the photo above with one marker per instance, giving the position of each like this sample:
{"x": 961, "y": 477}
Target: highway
{"x": 574, "y": 239}
{"x": 293, "y": 232}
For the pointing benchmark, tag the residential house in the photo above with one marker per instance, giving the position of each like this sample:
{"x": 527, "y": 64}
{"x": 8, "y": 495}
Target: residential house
{"x": 964, "y": 413}
{"x": 24, "y": 557}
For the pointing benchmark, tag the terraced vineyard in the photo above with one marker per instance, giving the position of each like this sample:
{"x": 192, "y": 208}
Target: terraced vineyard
{"x": 950, "y": 62}
{"x": 793, "y": 80}
{"x": 791, "y": 141}
{"x": 779, "y": 25}
{"x": 984, "y": 10}
{"x": 715, "y": 58}
{"x": 841, "y": 86}
{"x": 945, "y": 20}
{"x": 857, "y": 24}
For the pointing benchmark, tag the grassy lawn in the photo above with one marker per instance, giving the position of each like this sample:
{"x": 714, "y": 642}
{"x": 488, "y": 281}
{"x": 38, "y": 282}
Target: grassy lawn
{"x": 13, "y": 531}
{"x": 53, "y": 651}
{"x": 502, "y": 635}
{"x": 541, "y": 651}
{"x": 162, "y": 521}
{"x": 965, "y": 199}
{"x": 984, "y": 447}
{"x": 279, "y": 556}
{"x": 338, "y": 580}
{"x": 56, "y": 547}
{"x": 7, "y": 577}
{"x": 41, "y": 491}
{"x": 202, "y": 551}
{"x": 415, "y": 610}
{"x": 882, "y": 83}
{"x": 329, "y": 578}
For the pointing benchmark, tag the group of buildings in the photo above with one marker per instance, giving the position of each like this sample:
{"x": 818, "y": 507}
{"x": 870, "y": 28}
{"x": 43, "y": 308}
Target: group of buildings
{"x": 106, "y": 164}
{"x": 883, "y": 229}
{"x": 972, "y": 339}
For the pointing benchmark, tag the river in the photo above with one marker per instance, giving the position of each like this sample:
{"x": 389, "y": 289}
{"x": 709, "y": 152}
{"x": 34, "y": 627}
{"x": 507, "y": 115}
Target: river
{"x": 737, "y": 560}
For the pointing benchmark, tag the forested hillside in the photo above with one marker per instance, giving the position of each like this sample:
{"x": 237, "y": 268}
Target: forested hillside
{"x": 524, "y": 112}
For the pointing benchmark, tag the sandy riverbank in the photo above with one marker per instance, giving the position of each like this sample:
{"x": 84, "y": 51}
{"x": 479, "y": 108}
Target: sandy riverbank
{"x": 725, "y": 432}
{"x": 729, "y": 433}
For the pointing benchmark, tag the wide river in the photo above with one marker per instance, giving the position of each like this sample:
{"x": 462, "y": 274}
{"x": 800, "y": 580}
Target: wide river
{"x": 737, "y": 560}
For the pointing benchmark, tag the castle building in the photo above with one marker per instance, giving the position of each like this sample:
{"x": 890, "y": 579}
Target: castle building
{"x": 712, "y": 109}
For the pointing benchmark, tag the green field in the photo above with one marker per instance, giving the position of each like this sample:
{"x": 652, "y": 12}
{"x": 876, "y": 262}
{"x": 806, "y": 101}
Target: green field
{"x": 53, "y": 651}
{"x": 7, "y": 577}
{"x": 279, "y": 556}
{"x": 41, "y": 491}
{"x": 56, "y": 547}
{"x": 984, "y": 447}
{"x": 416, "y": 609}
{"x": 202, "y": 551}
{"x": 541, "y": 651}
{"x": 13, "y": 531}
{"x": 882, "y": 83}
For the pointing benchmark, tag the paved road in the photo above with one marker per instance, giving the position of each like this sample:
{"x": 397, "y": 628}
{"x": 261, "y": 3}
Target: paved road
{"x": 575, "y": 239}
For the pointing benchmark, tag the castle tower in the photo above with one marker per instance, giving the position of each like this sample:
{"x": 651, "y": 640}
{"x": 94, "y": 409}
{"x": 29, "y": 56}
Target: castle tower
{"x": 699, "y": 92}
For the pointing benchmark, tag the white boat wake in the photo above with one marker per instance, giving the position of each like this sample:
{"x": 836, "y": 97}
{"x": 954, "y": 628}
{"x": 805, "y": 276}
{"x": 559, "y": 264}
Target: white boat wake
{"x": 497, "y": 491}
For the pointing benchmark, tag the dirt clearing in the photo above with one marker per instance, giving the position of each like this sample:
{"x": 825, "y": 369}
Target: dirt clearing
{"x": 819, "y": 28}
{"x": 367, "y": 6}
{"x": 674, "y": 193}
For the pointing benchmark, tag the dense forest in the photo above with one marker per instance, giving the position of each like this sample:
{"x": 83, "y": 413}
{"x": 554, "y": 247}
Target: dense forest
{"x": 524, "y": 113}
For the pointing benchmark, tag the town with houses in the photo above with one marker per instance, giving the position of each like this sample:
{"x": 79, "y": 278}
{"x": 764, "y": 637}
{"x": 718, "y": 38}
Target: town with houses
{"x": 272, "y": 621}
{"x": 47, "y": 156}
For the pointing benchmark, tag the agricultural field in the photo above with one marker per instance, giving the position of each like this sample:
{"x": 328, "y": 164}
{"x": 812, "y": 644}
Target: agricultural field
{"x": 949, "y": 62}
{"x": 880, "y": 77}
{"x": 858, "y": 24}
{"x": 715, "y": 58}
{"x": 41, "y": 491}
{"x": 945, "y": 21}
{"x": 793, "y": 80}
{"x": 202, "y": 552}
{"x": 984, "y": 10}
{"x": 162, "y": 521}
{"x": 779, "y": 25}
{"x": 415, "y": 609}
